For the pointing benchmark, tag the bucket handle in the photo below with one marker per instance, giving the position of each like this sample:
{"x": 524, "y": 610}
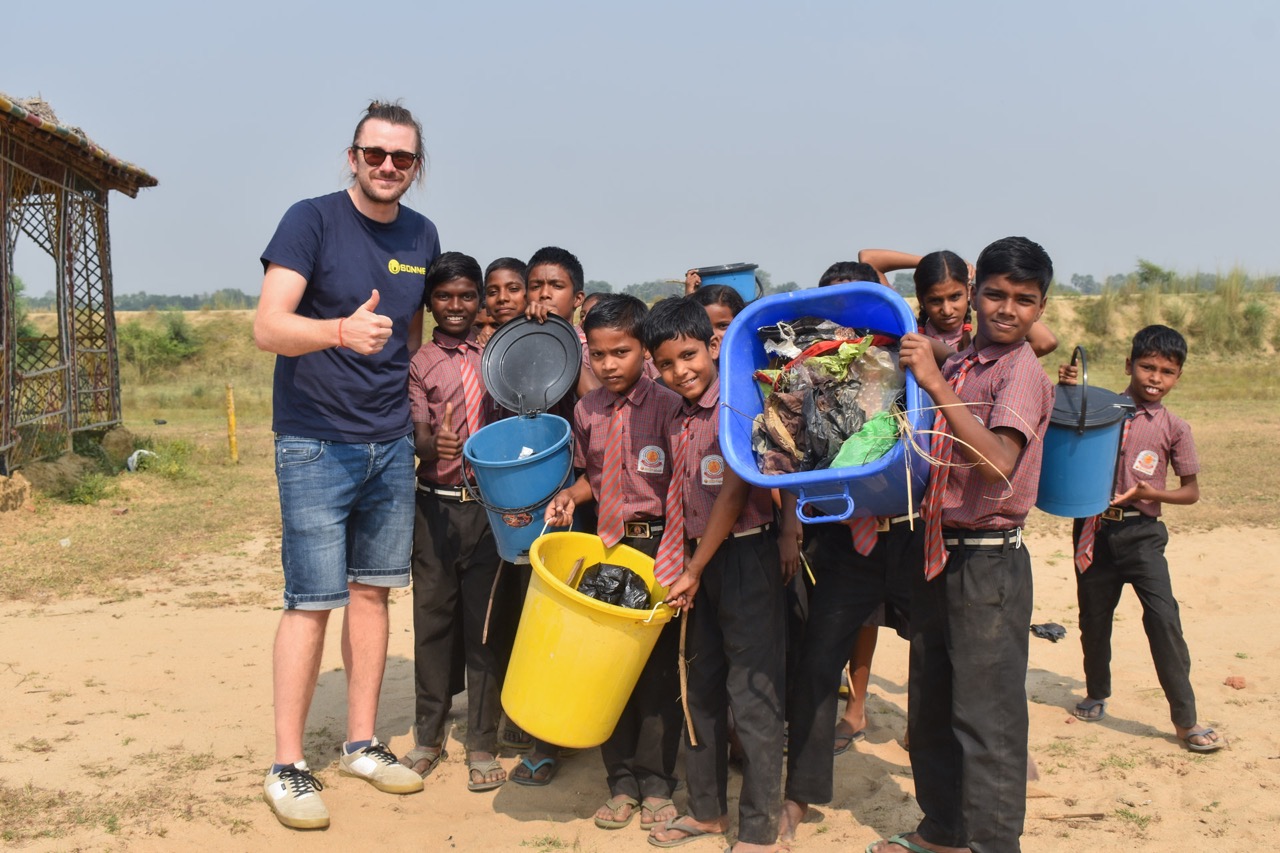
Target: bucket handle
{"x": 803, "y": 501}
{"x": 1078, "y": 355}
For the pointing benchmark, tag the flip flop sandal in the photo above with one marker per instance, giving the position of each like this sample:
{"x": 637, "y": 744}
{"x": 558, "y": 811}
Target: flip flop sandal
{"x": 1211, "y": 746}
{"x": 901, "y": 840}
{"x": 533, "y": 767}
{"x": 652, "y": 810}
{"x": 613, "y": 804}
{"x": 692, "y": 833}
{"x": 843, "y": 742}
{"x": 484, "y": 768}
{"x": 423, "y": 759}
{"x": 1085, "y": 710}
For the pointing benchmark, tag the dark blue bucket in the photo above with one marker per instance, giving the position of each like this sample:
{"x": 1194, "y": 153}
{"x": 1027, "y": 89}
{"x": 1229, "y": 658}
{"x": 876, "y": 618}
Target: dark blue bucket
{"x": 833, "y": 494}
{"x": 520, "y": 464}
{"x": 1077, "y": 472}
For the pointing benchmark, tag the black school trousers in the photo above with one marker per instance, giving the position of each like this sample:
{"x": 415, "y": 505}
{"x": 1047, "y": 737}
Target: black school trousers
{"x": 737, "y": 660}
{"x": 455, "y": 560}
{"x": 640, "y": 756}
{"x": 848, "y": 590}
{"x": 967, "y": 707}
{"x": 1132, "y": 552}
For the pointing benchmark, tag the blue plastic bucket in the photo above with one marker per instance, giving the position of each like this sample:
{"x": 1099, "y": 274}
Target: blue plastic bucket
{"x": 834, "y": 494}
{"x": 741, "y": 277}
{"x": 1077, "y": 471}
{"x": 516, "y": 489}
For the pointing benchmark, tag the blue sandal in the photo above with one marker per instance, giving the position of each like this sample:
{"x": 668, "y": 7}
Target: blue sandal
{"x": 533, "y": 767}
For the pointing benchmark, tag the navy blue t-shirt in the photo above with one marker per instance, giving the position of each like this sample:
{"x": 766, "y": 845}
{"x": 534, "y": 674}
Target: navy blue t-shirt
{"x": 337, "y": 394}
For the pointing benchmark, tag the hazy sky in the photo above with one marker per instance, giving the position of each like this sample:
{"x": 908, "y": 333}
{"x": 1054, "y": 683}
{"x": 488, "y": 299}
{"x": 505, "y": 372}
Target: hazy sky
{"x": 649, "y": 138}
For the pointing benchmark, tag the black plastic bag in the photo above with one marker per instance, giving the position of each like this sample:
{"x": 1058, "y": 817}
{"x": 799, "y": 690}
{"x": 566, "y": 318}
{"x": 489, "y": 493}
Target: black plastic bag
{"x": 615, "y": 585}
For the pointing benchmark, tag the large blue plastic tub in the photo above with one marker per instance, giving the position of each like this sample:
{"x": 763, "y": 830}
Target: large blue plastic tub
{"x": 833, "y": 494}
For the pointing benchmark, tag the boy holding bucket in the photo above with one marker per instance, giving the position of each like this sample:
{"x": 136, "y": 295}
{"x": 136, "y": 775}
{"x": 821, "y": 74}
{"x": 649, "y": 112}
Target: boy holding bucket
{"x": 1125, "y": 544}
{"x": 621, "y": 440}
{"x": 971, "y": 600}
{"x": 735, "y": 577}
{"x": 455, "y": 557}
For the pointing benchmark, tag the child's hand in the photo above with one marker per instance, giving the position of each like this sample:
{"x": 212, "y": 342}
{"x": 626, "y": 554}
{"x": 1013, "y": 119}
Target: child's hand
{"x": 788, "y": 555}
{"x": 560, "y": 511}
{"x": 537, "y": 311}
{"x": 915, "y": 353}
{"x": 683, "y": 590}
{"x": 692, "y": 281}
{"x": 1068, "y": 374}
{"x": 482, "y": 336}
{"x": 1141, "y": 491}
{"x": 448, "y": 442}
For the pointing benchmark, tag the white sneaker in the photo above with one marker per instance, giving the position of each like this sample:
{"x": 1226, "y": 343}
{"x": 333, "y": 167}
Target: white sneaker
{"x": 379, "y": 766}
{"x": 292, "y": 795}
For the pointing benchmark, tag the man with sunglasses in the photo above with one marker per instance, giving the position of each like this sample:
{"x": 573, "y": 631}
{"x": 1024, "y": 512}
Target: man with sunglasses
{"x": 341, "y": 306}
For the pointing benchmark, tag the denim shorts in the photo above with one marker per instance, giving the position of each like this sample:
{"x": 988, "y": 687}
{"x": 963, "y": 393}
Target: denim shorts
{"x": 347, "y": 514}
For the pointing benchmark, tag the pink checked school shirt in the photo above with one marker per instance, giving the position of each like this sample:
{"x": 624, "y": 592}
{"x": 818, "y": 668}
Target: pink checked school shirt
{"x": 704, "y": 468}
{"x": 1157, "y": 439}
{"x": 435, "y": 379}
{"x": 1010, "y": 389}
{"x": 646, "y": 453}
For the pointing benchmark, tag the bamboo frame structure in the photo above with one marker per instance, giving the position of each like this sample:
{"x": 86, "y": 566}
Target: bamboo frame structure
{"x": 54, "y": 184}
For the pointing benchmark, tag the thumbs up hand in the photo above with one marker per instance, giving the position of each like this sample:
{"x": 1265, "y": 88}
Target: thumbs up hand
{"x": 448, "y": 442}
{"x": 364, "y": 331}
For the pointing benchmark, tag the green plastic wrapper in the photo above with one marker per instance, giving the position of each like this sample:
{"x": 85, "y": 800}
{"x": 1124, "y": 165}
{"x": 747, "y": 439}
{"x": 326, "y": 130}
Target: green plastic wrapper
{"x": 868, "y": 444}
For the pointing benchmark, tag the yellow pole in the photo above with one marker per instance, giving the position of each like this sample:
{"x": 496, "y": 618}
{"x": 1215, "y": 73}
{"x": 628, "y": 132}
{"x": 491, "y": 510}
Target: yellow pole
{"x": 231, "y": 425}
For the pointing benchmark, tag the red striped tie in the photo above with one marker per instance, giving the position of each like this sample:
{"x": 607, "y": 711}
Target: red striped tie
{"x": 1089, "y": 527}
{"x": 866, "y": 532}
{"x": 609, "y": 526}
{"x": 935, "y": 552}
{"x": 472, "y": 392}
{"x": 670, "y": 561}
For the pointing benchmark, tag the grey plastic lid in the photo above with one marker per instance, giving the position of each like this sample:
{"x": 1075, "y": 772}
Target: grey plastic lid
{"x": 529, "y": 366}
{"x": 725, "y": 269}
{"x": 1101, "y": 407}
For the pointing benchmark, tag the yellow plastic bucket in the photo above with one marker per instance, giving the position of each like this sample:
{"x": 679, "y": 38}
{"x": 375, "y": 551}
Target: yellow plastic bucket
{"x": 576, "y": 660}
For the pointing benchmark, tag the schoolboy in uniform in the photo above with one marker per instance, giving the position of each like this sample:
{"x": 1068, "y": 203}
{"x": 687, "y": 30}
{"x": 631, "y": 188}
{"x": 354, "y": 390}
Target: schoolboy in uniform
{"x": 555, "y": 286}
{"x": 455, "y": 557}
{"x": 504, "y": 289}
{"x": 1126, "y": 543}
{"x": 971, "y": 604}
{"x": 858, "y": 566}
{"x": 732, "y": 593}
{"x": 621, "y": 435}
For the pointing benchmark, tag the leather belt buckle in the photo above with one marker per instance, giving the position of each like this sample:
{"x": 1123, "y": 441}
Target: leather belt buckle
{"x": 637, "y": 530}
{"x": 1113, "y": 513}
{"x": 882, "y": 524}
{"x": 464, "y": 495}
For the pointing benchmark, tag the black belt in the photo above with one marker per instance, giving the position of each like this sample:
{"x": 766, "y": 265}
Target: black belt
{"x": 1121, "y": 514}
{"x": 641, "y": 529}
{"x": 455, "y": 493}
{"x": 983, "y": 540}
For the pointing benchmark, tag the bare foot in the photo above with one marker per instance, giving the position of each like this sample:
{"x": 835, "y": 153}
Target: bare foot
{"x": 793, "y": 814}
{"x": 616, "y": 812}
{"x": 890, "y": 845}
{"x": 685, "y": 827}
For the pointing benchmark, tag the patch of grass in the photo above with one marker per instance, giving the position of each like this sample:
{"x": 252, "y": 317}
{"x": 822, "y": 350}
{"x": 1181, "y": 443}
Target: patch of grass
{"x": 1130, "y": 816}
{"x": 88, "y": 490}
{"x": 1242, "y": 655}
{"x": 34, "y": 744}
{"x": 1120, "y": 762}
{"x": 545, "y": 843}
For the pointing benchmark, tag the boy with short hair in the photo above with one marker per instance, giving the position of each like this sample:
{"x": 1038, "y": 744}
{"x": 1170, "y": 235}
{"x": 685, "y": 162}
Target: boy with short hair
{"x": 971, "y": 602}
{"x": 1125, "y": 544}
{"x": 504, "y": 289}
{"x": 735, "y": 578}
{"x": 455, "y": 557}
{"x": 621, "y": 437}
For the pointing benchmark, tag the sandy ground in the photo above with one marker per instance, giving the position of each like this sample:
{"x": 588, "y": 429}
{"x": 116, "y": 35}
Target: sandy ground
{"x": 153, "y": 715}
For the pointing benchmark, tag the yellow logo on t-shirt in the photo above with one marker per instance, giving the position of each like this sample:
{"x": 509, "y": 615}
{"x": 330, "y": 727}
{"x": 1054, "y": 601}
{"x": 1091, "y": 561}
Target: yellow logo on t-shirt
{"x": 395, "y": 268}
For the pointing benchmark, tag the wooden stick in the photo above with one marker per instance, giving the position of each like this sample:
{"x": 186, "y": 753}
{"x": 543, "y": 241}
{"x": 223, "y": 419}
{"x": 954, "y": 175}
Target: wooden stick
{"x": 684, "y": 678}
{"x": 573, "y": 575}
{"x": 488, "y": 611}
{"x": 1077, "y": 816}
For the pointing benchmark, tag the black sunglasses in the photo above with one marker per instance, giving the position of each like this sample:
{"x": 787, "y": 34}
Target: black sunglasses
{"x": 374, "y": 156}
